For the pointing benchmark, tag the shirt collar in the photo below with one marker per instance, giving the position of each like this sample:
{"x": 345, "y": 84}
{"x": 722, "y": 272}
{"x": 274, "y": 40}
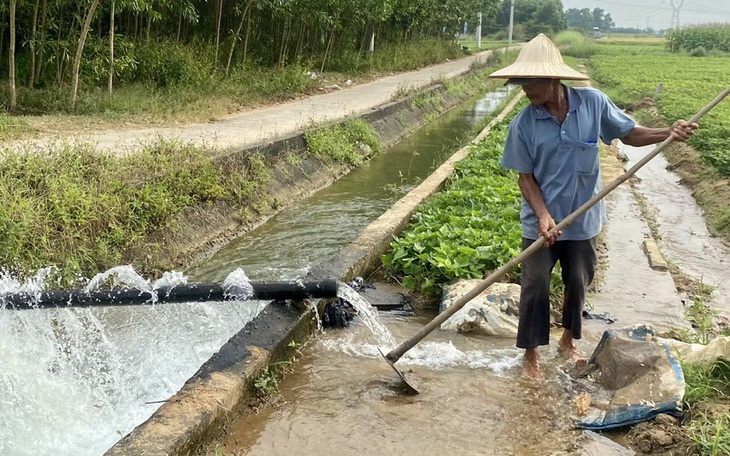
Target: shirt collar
{"x": 574, "y": 101}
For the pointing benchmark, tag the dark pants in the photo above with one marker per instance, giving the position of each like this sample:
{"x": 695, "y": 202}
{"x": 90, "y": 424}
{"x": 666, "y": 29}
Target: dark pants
{"x": 578, "y": 263}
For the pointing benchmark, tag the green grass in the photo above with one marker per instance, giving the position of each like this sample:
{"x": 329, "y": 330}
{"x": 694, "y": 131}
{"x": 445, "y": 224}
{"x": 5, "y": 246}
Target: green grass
{"x": 12, "y": 126}
{"x": 340, "y": 142}
{"x": 83, "y": 211}
{"x": 575, "y": 44}
{"x": 707, "y": 398}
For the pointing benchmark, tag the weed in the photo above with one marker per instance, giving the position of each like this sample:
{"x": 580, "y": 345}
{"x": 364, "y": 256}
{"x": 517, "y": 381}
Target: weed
{"x": 707, "y": 393}
{"x": 700, "y": 315}
{"x": 293, "y": 159}
{"x": 340, "y": 142}
{"x": 267, "y": 383}
{"x": 84, "y": 211}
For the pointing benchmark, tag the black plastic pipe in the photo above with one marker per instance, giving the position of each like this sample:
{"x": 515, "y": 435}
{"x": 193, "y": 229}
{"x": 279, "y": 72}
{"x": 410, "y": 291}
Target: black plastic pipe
{"x": 196, "y": 292}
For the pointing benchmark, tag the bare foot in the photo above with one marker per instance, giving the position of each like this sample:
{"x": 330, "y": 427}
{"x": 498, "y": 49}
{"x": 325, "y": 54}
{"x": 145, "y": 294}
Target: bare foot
{"x": 531, "y": 364}
{"x": 567, "y": 348}
{"x": 572, "y": 354}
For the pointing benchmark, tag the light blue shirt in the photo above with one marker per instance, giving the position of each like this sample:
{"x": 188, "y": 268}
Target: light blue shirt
{"x": 565, "y": 158}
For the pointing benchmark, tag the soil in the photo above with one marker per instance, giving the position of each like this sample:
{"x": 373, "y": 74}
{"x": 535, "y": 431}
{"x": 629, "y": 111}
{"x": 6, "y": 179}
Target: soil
{"x": 660, "y": 437}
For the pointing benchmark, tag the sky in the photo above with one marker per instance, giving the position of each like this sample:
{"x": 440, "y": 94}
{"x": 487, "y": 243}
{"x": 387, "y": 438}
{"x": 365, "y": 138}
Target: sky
{"x": 658, "y": 14}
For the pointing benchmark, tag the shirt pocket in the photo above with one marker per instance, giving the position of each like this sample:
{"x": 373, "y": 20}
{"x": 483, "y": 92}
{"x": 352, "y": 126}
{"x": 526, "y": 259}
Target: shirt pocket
{"x": 586, "y": 156}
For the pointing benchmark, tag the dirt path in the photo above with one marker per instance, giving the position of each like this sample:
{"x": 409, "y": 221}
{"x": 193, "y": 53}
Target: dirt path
{"x": 262, "y": 125}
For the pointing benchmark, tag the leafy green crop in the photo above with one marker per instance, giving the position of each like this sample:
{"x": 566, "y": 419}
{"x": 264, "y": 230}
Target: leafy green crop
{"x": 681, "y": 85}
{"x": 469, "y": 228}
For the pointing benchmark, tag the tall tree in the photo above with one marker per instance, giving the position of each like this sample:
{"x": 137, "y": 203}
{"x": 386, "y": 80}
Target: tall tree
{"x": 237, "y": 34}
{"x": 32, "y": 43}
{"x": 11, "y": 57}
{"x": 110, "y": 83}
{"x": 79, "y": 52}
{"x": 579, "y": 19}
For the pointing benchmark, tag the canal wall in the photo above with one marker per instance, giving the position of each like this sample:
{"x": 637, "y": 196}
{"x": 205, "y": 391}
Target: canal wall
{"x": 294, "y": 173}
{"x": 226, "y": 385}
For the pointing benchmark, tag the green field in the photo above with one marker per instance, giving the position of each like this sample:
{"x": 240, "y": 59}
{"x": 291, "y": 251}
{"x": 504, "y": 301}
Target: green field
{"x": 679, "y": 84}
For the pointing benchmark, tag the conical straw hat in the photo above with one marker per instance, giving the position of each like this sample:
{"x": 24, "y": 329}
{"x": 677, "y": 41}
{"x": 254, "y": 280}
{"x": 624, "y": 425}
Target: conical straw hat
{"x": 540, "y": 58}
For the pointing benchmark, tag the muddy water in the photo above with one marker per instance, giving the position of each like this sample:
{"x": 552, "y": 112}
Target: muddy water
{"x": 343, "y": 398}
{"x": 685, "y": 240}
{"x": 629, "y": 290}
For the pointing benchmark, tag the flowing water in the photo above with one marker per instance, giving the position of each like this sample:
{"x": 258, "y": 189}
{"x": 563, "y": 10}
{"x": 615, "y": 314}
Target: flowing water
{"x": 685, "y": 239}
{"x": 344, "y": 399}
{"x": 73, "y": 381}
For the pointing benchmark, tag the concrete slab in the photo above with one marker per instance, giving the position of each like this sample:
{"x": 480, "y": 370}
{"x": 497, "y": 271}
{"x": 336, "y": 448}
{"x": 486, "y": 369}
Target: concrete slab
{"x": 631, "y": 290}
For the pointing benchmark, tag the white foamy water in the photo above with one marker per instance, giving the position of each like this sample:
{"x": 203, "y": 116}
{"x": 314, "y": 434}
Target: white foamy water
{"x": 73, "y": 381}
{"x": 368, "y": 315}
{"x": 432, "y": 355}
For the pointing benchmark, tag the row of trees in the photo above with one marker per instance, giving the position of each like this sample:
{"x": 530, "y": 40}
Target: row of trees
{"x": 104, "y": 43}
{"x": 530, "y": 17}
{"x": 67, "y": 42}
{"x": 545, "y": 16}
{"x": 585, "y": 20}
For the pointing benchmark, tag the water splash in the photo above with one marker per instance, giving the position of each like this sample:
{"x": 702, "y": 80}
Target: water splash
{"x": 237, "y": 285}
{"x": 434, "y": 355}
{"x": 170, "y": 279}
{"x": 74, "y": 380}
{"x": 33, "y": 285}
{"x": 123, "y": 277}
{"x": 443, "y": 355}
{"x": 368, "y": 315}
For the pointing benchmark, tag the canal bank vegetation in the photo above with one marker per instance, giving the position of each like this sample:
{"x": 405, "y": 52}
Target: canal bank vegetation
{"x": 84, "y": 212}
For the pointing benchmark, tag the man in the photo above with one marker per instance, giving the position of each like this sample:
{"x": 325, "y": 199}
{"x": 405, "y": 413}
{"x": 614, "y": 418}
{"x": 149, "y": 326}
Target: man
{"x": 553, "y": 144}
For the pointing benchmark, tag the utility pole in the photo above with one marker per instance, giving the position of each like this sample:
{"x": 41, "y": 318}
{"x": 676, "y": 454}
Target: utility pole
{"x": 511, "y": 22}
{"x": 675, "y": 14}
{"x": 479, "y": 31}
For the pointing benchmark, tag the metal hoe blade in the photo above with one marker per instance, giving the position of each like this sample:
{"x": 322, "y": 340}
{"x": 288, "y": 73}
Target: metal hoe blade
{"x": 409, "y": 389}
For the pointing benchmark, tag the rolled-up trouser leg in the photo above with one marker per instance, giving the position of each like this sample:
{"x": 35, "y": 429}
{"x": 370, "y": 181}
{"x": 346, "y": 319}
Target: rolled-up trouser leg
{"x": 534, "y": 324}
{"x": 578, "y": 262}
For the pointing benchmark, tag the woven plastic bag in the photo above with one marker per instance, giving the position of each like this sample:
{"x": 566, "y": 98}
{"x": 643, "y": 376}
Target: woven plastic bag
{"x": 633, "y": 377}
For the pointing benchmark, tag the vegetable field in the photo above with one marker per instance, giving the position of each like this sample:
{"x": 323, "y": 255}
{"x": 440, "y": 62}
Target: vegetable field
{"x": 467, "y": 229}
{"x": 681, "y": 85}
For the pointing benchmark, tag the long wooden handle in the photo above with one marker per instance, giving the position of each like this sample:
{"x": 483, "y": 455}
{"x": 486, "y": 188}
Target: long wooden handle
{"x": 401, "y": 349}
